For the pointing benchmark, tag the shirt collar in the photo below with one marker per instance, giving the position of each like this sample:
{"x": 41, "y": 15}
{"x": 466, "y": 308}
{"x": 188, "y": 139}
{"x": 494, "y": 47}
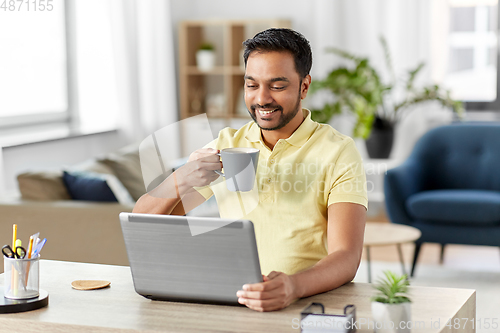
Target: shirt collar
{"x": 298, "y": 138}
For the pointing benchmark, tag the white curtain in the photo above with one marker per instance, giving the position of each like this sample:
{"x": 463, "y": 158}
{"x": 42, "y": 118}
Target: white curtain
{"x": 355, "y": 26}
{"x": 145, "y": 64}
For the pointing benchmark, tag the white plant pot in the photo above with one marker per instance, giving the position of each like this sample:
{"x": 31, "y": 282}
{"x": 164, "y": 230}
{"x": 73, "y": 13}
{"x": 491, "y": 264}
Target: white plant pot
{"x": 392, "y": 318}
{"x": 205, "y": 60}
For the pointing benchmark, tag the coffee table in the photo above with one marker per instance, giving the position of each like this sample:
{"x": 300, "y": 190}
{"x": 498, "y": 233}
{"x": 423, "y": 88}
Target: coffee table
{"x": 383, "y": 233}
{"x": 119, "y": 308}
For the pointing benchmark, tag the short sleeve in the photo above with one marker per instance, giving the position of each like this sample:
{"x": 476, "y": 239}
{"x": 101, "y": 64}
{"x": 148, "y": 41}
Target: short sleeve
{"x": 349, "y": 179}
{"x": 206, "y": 191}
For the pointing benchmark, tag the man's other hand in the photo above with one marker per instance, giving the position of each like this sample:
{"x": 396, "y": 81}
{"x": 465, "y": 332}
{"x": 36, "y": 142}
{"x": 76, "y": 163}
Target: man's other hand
{"x": 199, "y": 170}
{"x": 275, "y": 293}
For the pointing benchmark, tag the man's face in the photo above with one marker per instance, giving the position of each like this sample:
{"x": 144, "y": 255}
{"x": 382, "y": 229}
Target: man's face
{"x": 273, "y": 89}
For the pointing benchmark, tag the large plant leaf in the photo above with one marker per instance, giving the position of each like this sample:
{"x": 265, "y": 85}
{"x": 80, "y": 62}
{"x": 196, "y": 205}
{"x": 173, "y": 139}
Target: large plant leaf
{"x": 412, "y": 75}
{"x": 324, "y": 115}
{"x": 429, "y": 93}
{"x": 388, "y": 59}
{"x": 343, "y": 54}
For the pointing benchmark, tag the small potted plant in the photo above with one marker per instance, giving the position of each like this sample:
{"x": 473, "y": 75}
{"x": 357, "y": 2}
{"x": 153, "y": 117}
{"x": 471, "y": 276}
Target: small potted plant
{"x": 205, "y": 57}
{"x": 391, "y": 306}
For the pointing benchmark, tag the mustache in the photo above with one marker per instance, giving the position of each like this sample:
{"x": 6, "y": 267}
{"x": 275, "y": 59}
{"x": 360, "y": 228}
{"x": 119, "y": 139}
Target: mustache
{"x": 267, "y": 106}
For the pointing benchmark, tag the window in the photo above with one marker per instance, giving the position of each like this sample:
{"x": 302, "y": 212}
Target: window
{"x": 33, "y": 64}
{"x": 468, "y": 51}
{"x": 57, "y": 65}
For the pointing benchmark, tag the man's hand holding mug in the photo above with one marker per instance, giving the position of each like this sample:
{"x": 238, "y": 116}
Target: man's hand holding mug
{"x": 199, "y": 170}
{"x": 204, "y": 166}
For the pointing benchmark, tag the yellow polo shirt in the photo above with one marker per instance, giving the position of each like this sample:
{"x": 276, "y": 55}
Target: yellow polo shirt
{"x": 296, "y": 182}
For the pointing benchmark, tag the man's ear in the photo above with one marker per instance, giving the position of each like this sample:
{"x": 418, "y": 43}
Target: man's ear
{"x": 306, "y": 82}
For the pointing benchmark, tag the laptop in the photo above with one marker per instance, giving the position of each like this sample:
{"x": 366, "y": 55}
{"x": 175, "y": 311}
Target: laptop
{"x": 190, "y": 259}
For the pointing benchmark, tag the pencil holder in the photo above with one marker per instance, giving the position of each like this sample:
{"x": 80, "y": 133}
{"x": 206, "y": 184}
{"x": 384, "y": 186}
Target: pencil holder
{"x": 21, "y": 277}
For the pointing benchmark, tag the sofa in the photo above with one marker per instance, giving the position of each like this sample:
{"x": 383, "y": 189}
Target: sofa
{"x": 81, "y": 230}
{"x": 75, "y": 230}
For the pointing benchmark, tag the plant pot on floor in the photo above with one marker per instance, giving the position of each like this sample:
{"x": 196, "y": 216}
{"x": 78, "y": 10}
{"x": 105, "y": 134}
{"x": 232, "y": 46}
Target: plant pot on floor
{"x": 379, "y": 143}
{"x": 391, "y": 318}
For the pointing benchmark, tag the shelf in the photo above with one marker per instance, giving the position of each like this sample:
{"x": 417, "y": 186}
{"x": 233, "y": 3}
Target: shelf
{"x": 223, "y": 85}
{"x": 193, "y": 70}
{"x": 218, "y": 70}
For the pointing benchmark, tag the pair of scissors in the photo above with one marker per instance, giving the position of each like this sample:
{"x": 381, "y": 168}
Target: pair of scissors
{"x": 20, "y": 252}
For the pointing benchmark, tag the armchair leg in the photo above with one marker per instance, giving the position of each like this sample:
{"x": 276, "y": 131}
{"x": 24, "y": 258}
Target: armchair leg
{"x": 415, "y": 257}
{"x": 441, "y": 257}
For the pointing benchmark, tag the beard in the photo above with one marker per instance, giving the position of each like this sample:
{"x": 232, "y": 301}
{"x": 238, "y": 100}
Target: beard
{"x": 284, "y": 119}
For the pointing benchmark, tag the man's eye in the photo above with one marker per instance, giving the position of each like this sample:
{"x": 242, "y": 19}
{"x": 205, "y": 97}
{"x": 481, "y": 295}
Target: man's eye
{"x": 251, "y": 86}
{"x": 278, "y": 88}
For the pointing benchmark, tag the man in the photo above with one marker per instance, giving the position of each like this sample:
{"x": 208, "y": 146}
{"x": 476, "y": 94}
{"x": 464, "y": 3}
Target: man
{"x": 310, "y": 217}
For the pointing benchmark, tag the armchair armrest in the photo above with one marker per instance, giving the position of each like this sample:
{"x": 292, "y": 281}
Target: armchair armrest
{"x": 399, "y": 184}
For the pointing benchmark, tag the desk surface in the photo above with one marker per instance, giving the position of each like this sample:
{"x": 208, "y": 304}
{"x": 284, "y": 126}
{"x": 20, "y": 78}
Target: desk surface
{"x": 119, "y": 308}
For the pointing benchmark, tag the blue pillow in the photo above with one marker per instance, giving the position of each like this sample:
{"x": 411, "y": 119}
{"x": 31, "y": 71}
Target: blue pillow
{"x": 88, "y": 188}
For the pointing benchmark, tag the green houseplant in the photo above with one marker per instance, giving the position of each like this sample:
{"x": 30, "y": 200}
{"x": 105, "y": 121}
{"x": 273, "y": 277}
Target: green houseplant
{"x": 391, "y": 306}
{"x": 205, "y": 57}
{"x": 361, "y": 91}
{"x": 207, "y": 46}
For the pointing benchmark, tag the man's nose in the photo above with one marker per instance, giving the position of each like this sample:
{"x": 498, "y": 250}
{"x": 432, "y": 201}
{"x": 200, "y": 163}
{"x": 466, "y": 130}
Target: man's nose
{"x": 264, "y": 97}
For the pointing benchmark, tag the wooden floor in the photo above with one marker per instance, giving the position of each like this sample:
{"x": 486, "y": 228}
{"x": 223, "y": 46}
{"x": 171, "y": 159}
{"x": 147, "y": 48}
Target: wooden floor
{"x": 456, "y": 256}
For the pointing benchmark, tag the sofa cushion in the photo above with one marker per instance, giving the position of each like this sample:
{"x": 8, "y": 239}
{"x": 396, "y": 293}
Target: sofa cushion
{"x": 126, "y": 165}
{"x": 45, "y": 185}
{"x": 91, "y": 186}
{"x": 455, "y": 206}
{"x": 88, "y": 188}
{"x": 49, "y": 186}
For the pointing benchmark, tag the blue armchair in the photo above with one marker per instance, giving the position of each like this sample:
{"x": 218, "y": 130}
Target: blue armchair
{"x": 449, "y": 187}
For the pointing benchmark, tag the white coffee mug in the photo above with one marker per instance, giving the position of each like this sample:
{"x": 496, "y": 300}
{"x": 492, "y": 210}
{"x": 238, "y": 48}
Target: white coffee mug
{"x": 240, "y": 166}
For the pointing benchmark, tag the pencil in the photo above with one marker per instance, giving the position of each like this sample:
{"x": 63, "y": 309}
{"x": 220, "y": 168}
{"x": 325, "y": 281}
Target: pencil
{"x": 30, "y": 247}
{"x": 13, "y": 284}
{"x": 14, "y": 237}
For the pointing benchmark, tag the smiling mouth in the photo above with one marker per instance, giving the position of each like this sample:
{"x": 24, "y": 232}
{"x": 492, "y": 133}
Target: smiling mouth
{"x": 265, "y": 113}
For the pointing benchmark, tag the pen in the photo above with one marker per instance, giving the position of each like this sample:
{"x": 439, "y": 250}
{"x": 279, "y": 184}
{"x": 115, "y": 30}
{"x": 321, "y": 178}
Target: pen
{"x": 35, "y": 245}
{"x": 39, "y": 247}
{"x": 19, "y": 243}
{"x": 35, "y": 242}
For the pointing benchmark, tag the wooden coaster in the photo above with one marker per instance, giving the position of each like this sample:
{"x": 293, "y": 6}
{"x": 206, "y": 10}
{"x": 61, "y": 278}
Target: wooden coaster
{"x": 89, "y": 284}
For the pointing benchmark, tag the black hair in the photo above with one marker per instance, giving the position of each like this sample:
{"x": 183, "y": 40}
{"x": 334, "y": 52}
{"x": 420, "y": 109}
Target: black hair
{"x": 281, "y": 39}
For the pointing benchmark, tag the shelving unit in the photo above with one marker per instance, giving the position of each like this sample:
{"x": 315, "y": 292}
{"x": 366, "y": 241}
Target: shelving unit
{"x": 224, "y": 82}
